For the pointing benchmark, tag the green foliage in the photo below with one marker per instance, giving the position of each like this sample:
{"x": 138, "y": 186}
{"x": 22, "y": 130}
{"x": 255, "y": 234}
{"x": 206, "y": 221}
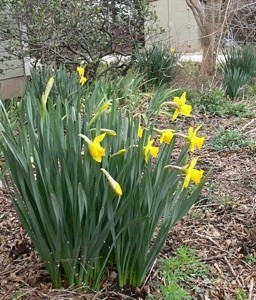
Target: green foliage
{"x": 157, "y": 64}
{"x": 215, "y": 103}
{"x": 70, "y": 32}
{"x": 241, "y": 294}
{"x": 227, "y": 139}
{"x": 250, "y": 259}
{"x": 238, "y": 69}
{"x": 179, "y": 272}
{"x": 67, "y": 205}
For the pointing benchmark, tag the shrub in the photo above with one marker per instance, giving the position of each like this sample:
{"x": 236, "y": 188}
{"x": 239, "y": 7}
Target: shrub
{"x": 157, "y": 64}
{"x": 96, "y": 187}
{"x": 68, "y": 32}
{"x": 238, "y": 69}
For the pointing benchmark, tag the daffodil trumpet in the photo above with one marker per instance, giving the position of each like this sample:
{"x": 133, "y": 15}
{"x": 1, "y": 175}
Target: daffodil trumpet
{"x": 166, "y": 135}
{"x": 150, "y": 150}
{"x": 95, "y": 149}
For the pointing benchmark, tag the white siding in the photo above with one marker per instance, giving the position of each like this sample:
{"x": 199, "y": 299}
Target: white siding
{"x": 181, "y": 28}
{"x": 10, "y": 65}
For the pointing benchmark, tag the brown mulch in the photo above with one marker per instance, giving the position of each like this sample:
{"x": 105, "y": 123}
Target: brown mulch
{"x": 221, "y": 228}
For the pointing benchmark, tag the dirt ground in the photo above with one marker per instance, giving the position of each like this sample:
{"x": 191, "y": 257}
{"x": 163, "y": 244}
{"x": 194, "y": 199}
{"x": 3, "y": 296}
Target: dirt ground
{"x": 221, "y": 228}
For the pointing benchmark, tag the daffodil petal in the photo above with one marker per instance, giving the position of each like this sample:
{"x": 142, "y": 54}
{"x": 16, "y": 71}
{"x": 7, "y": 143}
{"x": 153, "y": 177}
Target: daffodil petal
{"x": 175, "y": 114}
{"x": 193, "y": 163}
{"x": 186, "y": 181}
{"x": 99, "y": 138}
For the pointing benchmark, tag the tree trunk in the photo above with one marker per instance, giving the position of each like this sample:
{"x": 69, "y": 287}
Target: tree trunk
{"x": 213, "y": 18}
{"x": 209, "y": 55}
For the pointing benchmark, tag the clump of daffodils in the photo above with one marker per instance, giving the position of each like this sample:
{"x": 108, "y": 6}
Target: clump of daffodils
{"x": 166, "y": 136}
{"x": 99, "y": 187}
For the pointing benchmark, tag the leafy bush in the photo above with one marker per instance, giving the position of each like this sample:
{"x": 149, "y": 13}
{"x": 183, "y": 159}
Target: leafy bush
{"x": 157, "y": 64}
{"x": 238, "y": 69}
{"x": 95, "y": 186}
{"x": 68, "y": 32}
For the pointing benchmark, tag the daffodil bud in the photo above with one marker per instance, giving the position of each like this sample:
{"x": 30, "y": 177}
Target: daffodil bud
{"x": 46, "y": 95}
{"x": 114, "y": 184}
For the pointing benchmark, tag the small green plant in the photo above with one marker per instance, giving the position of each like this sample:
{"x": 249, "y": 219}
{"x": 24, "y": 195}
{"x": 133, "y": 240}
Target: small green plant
{"x": 250, "y": 259}
{"x": 215, "y": 103}
{"x": 157, "y": 65}
{"x": 238, "y": 69}
{"x": 241, "y": 294}
{"x": 230, "y": 139}
{"x": 227, "y": 202}
{"x": 179, "y": 273}
{"x": 95, "y": 186}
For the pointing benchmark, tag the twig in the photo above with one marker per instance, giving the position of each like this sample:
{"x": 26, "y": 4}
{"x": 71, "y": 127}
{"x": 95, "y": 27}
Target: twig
{"x": 210, "y": 239}
{"x": 248, "y": 124}
{"x": 212, "y": 257}
{"x": 221, "y": 249}
{"x": 250, "y": 131}
{"x": 233, "y": 272}
{"x": 107, "y": 294}
{"x": 149, "y": 273}
{"x": 251, "y": 290}
{"x": 218, "y": 269}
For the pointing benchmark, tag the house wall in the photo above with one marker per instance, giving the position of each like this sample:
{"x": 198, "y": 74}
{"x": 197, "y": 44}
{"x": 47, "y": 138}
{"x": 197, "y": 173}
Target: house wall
{"x": 12, "y": 74}
{"x": 179, "y": 23}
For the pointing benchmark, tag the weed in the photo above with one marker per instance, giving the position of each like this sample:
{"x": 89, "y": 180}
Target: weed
{"x": 215, "y": 103}
{"x": 227, "y": 203}
{"x": 250, "y": 259}
{"x": 179, "y": 273}
{"x": 241, "y": 295}
{"x": 225, "y": 140}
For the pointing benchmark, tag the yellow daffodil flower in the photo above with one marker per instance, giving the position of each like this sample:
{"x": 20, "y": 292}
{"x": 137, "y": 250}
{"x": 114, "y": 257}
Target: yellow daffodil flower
{"x": 181, "y": 107}
{"x": 191, "y": 173}
{"x": 167, "y": 135}
{"x": 82, "y": 80}
{"x": 195, "y": 141}
{"x": 140, "y": 131}
{"x": 80, "y": 71}
{"x": 114, "y": 184}
{"x": 150, "y": 150}
{"x": 172, "y": 51}
{"x": 95, "y": 149}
